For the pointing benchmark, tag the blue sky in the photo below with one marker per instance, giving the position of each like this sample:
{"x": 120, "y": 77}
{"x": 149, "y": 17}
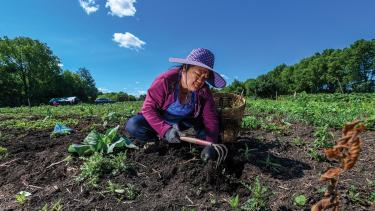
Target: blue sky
{"x": 126, "y": 43}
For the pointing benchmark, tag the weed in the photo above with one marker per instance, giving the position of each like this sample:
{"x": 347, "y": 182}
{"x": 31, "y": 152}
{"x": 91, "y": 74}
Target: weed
{"x": 97, "y": 165}
{"x": 371, "y": 182}
{"x": 372, "y": 197}
{"x": 315, "y": 155}
{"x": 258, "y": 196}
{"x": 250, "y": 122}
{"x": 300, "y": 200}
{"x": 22, "y": 196}
{"x": 323, "y": 138}
{"x": 131, "y": 192}
{"x": 3, "y": 152}
{"x": 115, "y": 188}
{"x": 234, "y": 202}
{"x": 298, "y": 142}
{"x": 271, "y": 165}
{"x": 57, "y": 206}
{"x": 353, "y": 195}
{"x": 246, "y": 152}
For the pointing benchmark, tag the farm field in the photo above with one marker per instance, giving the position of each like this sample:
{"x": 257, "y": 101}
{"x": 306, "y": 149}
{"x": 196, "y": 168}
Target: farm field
{"x": 274, "y": 165}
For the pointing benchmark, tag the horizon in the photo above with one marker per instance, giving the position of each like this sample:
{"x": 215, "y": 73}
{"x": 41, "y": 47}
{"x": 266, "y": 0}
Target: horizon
{"x": 126, "y": 44}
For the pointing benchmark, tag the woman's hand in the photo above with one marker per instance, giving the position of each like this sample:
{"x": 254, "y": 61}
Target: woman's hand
{"x": 172, "y": 136}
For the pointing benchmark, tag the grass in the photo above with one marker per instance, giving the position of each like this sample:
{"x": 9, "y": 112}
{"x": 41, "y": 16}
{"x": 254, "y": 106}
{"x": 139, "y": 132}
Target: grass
{"x": 259, "y": 196}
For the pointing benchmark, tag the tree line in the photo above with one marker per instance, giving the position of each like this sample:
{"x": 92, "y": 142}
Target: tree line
{"x": 30, "y": 75}
{"x": 345, "y": 70}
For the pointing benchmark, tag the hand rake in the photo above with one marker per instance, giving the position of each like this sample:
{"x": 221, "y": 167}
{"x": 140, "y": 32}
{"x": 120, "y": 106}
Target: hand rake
{"x": 221, "y": 149}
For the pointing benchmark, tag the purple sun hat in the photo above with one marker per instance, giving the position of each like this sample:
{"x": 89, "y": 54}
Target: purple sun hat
{"x": 203, "y": 58}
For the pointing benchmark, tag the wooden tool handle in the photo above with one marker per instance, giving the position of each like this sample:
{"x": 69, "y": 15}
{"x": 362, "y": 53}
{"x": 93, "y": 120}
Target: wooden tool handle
{"x": 195, "y": 141}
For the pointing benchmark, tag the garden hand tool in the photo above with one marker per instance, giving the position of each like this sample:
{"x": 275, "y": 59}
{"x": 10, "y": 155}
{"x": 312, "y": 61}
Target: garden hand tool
{"x": 221, "y": 149}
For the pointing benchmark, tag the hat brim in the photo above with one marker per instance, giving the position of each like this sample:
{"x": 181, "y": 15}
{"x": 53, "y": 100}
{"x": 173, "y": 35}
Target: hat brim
{"x": 216, "y": 80}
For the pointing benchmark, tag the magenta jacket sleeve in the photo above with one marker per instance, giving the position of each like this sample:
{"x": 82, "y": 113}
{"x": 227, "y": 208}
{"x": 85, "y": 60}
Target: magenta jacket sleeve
{"x": 210, "y": 118}
{"x": 155, "y": 97}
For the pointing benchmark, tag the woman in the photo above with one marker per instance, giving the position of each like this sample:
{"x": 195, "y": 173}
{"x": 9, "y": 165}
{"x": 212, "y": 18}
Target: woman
{"x": 180, "y": 99}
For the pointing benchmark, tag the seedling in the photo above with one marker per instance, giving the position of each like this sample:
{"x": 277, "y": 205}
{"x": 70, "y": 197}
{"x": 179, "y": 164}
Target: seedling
{"x": 3, "y": 152}
{"x": 57, "y": 206}
{"x": 259, "y": 196}
{"x": 115, "y": 188}
{"x": 271, "y": 165}
{"x": 371, "y": 182}
{"x": 372, "y": 197}
{"x": 298, "y": 142}
{"x": 22, "y": 196}
{"x": 246, "y": 152}
{"x": 315, "y": 155}
{"x": 353, "y": 195}
{"x": 234, "y": 202}
{"x": 131, "y": 192}
{"x": 300, "y": 200}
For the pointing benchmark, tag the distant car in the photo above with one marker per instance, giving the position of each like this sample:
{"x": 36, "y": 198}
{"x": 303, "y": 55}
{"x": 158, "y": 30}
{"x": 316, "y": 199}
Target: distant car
{"x": 104, "y": 100}
{"x": 64, "y": 101}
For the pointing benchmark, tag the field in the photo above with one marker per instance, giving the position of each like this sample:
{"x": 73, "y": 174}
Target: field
{"x": 275, "y": 164}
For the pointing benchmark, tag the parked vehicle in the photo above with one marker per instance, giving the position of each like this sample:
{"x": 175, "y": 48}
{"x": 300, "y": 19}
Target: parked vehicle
{"x": 104, "y": 100}
{"x": 64, "y": 101}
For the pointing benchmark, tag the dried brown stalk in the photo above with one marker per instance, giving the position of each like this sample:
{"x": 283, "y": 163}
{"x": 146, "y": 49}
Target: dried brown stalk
{"x": 346, "y": 150}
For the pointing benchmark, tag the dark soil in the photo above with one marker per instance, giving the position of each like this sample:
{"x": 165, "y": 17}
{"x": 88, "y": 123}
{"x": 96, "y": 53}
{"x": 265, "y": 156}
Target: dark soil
{"x": 173, "y": 177}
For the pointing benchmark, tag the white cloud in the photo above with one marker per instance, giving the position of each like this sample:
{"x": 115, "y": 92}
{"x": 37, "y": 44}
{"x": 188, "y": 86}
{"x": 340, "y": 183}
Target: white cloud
{"x": 89, "y": 6}
{"x": 141, "y": 92}
{"x": 225, "y": 77}
{"x": 121, "y": 8}
{"x": 128, "y": 40}
{"x": 60, "y": 65}
{"x": 104, "y": 90}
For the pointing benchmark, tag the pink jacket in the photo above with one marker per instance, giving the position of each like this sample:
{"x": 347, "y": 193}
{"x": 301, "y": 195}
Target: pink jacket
{"x": 161, "y": 94}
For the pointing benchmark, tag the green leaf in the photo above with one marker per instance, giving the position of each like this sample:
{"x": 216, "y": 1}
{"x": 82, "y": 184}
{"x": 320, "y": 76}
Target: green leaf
{"x": 80, "y": 149}
{"x": 92, "y": 138}
{"x": 120, "y": 191}
{"x": 120, "y": 143}
{"x": 111, "y": 134}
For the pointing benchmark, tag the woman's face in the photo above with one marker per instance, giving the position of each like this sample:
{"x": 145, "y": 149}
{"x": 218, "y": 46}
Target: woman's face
{"x": 196, "y": 76}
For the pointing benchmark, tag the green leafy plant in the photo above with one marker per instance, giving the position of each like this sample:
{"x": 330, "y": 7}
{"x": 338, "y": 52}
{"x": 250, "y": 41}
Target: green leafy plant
{"x": 97, "y": 165}
{"x": 298, "y": 142}
{"x": 314, "y": 154}
{"x": 371, "y": 182}
{"x": 372, "y": 197}
{"x": 234, "y": 202}
{"x": 57, "y": 206}
{"x": 115, "y": 188}
{"x": 3, "y": 152}
{"x": 250, "y": 122}
{"x": 353, "y": 195}
{"x": 131, "y": 192}
{"x": 22, "y": 196}
{"x": 258, "y": 196}
{"x": 102, "y": 143}
{"x": 323, "y": 138}
{"x": 300, "y": 200}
